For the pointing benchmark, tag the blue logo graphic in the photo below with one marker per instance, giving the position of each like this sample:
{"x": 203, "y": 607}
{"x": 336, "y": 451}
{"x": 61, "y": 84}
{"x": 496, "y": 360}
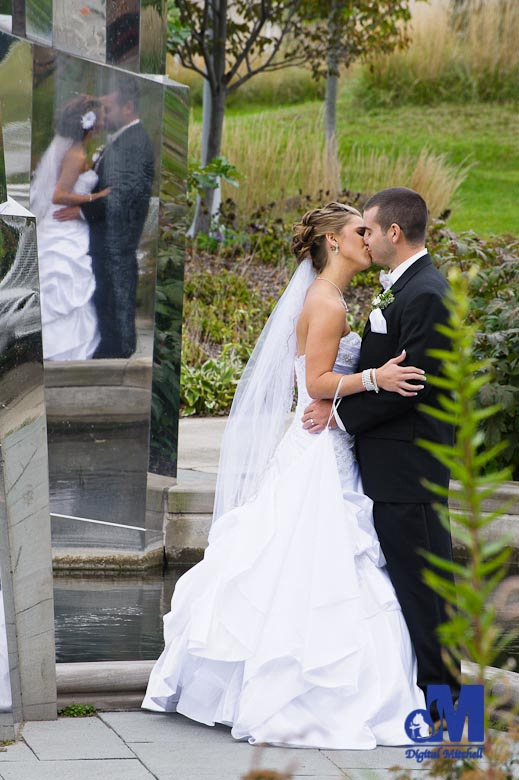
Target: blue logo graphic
{"x": 419, "y": 725}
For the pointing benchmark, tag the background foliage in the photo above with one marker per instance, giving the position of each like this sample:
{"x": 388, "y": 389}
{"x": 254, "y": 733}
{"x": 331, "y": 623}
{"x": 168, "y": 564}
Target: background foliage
{"x": 440, "y": 116}
{"x": 230, "y": 292}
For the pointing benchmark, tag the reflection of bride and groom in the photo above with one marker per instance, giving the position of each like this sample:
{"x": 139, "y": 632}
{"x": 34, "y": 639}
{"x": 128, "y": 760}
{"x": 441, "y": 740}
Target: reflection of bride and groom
{"x": 90, "y": 221}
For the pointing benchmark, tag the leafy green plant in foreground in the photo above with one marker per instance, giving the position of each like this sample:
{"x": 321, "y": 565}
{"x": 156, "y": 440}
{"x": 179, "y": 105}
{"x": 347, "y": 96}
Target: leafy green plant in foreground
{"x": 471, "y": 633}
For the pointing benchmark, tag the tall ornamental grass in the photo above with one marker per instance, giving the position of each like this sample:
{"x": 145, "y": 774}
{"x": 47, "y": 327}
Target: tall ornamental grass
{"x": 280, "y": 159}
{"x": 459, "y": 52}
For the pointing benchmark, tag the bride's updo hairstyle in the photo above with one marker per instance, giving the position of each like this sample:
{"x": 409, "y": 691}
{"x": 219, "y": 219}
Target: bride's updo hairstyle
{"x": 77, "y": 117}
{"x": 308, "y": 237}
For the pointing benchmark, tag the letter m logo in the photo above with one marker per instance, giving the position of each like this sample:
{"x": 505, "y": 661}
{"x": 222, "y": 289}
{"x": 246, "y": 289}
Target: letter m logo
{"x": 471, "y": 704}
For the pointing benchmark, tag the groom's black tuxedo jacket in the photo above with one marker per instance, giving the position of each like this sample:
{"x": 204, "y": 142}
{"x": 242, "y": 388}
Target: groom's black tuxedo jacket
{"x": 386, "y": 425}
{"x": 116, "y": 222}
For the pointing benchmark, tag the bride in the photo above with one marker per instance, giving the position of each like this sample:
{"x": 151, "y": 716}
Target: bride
{"x": 63, "y": 177}
{"x": 289, "y": 630}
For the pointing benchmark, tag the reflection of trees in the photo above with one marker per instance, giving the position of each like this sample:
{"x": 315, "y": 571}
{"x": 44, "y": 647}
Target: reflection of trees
{"x": 8, "y": 246}
{"x": 506, "y": 599}
{"x": 153, "y": 36}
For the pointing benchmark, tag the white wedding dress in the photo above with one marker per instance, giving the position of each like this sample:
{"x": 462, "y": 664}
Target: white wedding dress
{"x": 289, "y": 630}
{"x": 67, "y": 284}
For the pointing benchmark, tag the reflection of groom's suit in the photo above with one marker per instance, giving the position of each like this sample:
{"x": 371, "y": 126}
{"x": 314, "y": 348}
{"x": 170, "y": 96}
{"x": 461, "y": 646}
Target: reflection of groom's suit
{"x": 392, "y": 467}
{"x": 116, "y": 224}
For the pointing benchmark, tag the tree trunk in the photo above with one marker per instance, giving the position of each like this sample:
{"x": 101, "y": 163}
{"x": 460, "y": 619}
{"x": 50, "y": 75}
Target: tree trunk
{"x": 204, "y": 158}
{"x": 214, "y": 147}
{"x": 333, "y": 176}
{"x": 214, "y": 111}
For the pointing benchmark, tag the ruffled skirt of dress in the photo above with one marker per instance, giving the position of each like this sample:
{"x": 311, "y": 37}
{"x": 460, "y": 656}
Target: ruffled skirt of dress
{"x": 67, "y": 284}
{"x": 289, "y": 630}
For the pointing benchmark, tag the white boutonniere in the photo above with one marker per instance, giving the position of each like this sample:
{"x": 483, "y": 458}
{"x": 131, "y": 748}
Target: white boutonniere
{"x": 97, "y": 154}
{"x": 383, "y": 299}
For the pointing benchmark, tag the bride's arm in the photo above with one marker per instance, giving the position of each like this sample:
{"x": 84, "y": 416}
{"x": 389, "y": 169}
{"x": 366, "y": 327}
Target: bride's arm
{"x": 73, "y": 165}
{"x": 325, "y": 327}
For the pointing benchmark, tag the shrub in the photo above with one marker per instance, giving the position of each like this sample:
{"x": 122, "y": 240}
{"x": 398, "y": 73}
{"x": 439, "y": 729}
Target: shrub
{"x": 209, "y": 388}
{"x": 77, "y": 711}
{"x": 471, "y": 632}
{"x": 494, "y": 308}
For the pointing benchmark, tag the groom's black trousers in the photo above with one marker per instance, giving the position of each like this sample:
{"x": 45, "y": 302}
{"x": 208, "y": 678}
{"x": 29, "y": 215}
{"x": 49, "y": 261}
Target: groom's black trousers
{"x": 404, "y": 529}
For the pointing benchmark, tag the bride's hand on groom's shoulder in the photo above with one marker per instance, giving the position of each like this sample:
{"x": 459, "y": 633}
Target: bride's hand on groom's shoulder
{"x": 316, "y": 415}
{"x": 66, "y": 213}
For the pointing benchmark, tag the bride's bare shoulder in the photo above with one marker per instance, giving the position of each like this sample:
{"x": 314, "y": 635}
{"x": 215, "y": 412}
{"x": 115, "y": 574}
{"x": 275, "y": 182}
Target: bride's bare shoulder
{"x": 321, "y": 313}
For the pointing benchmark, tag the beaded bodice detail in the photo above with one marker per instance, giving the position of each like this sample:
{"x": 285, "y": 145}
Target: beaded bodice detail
{"x": 345, "y": 363}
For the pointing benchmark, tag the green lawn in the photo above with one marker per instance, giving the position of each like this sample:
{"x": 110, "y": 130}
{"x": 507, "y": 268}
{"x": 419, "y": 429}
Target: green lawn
{"x": 485, "y": 134}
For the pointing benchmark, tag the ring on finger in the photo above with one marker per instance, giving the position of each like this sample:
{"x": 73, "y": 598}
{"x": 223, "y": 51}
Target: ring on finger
{"x": 312, "y": 423}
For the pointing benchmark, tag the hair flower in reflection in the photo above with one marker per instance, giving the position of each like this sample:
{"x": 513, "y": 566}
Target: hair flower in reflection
{"x": 88, "y": 120}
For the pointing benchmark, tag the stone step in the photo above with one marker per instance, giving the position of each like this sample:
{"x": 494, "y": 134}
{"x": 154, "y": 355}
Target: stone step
{"x": 110, "y": 685}
{"x": 189, "y": 506}
{"x": 194, "y": 493}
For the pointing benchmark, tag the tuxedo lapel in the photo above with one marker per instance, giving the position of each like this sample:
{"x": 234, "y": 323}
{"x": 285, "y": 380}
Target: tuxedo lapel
{"x": 416, "y": 267}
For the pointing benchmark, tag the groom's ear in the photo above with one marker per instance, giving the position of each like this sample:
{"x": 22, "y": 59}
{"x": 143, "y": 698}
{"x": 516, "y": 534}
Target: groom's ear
{"x": 394, "y": 233}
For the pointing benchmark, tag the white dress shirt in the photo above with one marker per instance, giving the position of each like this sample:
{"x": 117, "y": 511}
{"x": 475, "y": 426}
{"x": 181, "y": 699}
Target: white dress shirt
{"x": 397, "y": 272}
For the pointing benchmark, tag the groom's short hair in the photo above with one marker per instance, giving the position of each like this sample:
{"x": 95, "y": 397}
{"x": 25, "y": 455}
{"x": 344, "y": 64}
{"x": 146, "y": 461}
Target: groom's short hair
{"x": 127, "y": 91}
{"x": 404, "y": 207}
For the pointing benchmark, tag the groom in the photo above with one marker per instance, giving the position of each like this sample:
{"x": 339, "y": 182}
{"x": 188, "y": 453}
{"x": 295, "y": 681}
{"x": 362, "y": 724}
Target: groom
{"x": 126, "y": 166}
{"x": 386, "y": 425}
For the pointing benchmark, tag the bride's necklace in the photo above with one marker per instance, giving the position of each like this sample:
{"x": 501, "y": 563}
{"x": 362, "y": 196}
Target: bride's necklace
{"x": 324, "y": 279}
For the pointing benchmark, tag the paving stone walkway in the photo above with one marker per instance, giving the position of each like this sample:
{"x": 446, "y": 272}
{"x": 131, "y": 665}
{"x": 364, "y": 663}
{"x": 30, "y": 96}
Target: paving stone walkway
{"x": 147, "y": 746}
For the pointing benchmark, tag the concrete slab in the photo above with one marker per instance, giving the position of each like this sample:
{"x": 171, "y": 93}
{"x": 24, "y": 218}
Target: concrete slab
{"x": 380, "y": 758}
{"x": 19, "y": 751}
{"x": 199, "y": 440}
{"x": 226, "y": 760}
{"x": 382, "y": 774}
{"x": 170, "y": 729}
{"x": 122, "y": 769}
{"x": 74, "y": 738}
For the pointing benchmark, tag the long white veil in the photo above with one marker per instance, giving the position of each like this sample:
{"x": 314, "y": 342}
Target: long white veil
{"x": 262, "y": 401}
{"x": 46, "y": 175}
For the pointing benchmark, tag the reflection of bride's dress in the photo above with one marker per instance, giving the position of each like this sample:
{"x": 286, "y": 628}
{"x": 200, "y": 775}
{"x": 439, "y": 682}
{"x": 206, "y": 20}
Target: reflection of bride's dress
{"x": 289, "y": 629}
{"x": 69, "y": 320}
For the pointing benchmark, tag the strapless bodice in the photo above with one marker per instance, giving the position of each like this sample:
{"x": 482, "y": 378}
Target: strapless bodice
{"x": 345, "y": 363}
{"x": 85, "y": 182}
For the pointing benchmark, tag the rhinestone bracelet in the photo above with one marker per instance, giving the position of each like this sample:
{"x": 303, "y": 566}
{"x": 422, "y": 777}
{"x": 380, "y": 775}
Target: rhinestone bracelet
{"x": 366, "y": 380}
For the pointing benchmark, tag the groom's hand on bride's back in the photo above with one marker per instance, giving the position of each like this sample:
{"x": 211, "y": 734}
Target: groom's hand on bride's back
{"x": 66, "y": 213}
{"x": 316, "y": 416}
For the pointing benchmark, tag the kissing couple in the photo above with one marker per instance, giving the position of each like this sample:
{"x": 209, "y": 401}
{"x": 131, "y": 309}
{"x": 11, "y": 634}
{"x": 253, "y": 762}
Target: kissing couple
{"x": 90, "y": 217}
{"x": 307, "y": 623}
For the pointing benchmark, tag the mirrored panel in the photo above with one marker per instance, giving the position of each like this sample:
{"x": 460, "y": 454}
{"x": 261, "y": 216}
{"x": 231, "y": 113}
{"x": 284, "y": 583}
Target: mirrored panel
{"x": 18, "y": 17}
{"x": 16, "y": 103}
{"x": 6, "y": 15}
{"x": 170, "y": 283}
{"x": 5, "y": 677}
{"x": 38, "y": 20}
{"x": 97, "y": 139}
{"x": 27, "y": 670}
{"x": 102, "y": 30}
{"x": 3, "y": 183}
